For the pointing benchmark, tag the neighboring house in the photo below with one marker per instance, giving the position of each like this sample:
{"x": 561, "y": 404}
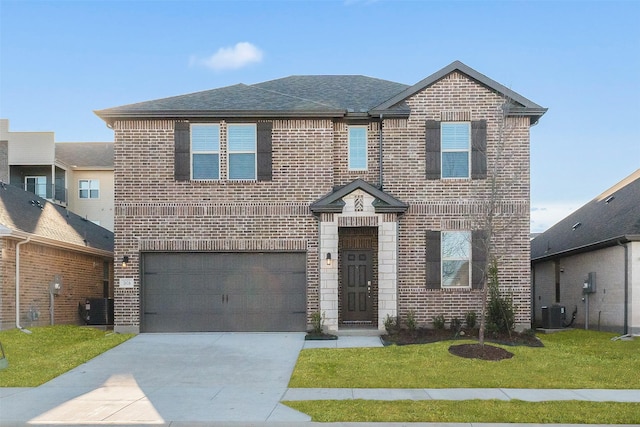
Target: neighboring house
{"x": 590, "y": 262}
{"x": 251, "y": 207}
{"x": 52, "y": 260}
{"x": 76, "y": 175}
{"x": 90, "y": 184}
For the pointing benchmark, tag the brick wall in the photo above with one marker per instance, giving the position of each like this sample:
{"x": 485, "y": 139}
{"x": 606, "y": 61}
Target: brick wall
{"x": 82, "y": 277}
{"x": 309, "y": 159}
{"x": 459, "y": 204}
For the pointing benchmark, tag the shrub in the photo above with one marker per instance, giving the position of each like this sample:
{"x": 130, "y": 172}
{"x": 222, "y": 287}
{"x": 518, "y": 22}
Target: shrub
{"x": 438, "y": 322}
{"x": 317, "y": 322}
{"x": 500, "y": 310}
{"x": 455, "y": 324}
{"x": 411, "y": 321}
{"x": 390, "y": 324}
{"x": 470, "y": 319}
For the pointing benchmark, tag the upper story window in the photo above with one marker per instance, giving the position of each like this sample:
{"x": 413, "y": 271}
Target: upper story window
{"x": 456, "y": 258}
{"x": 89, "y": 189}
{"x": 357, "y": 148}
{"x": 456, "y": 150}
{"x": 205, "y": 151}
{"x": 456, "y": 145}
{"x": 36, "y": 185}
{"x": 201, "y": 152}
{"x": 241, "y": 146}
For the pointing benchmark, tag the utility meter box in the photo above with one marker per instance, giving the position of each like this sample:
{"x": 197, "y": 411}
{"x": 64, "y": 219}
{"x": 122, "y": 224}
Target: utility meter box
{"x": 553, "y": 317}
{"x": 589, "y": 286}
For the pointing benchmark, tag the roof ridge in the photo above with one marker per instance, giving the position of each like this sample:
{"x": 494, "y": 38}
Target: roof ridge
{"x": 618, "y": 186}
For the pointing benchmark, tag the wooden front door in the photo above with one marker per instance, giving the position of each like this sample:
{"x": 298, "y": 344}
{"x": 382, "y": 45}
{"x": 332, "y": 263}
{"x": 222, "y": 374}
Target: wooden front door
{"x": 357, "y": 268}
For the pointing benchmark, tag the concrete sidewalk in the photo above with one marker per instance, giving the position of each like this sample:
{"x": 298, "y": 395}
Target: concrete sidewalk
{"x": 216, "y": 379}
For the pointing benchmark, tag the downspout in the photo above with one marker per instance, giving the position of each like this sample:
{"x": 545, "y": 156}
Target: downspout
{"x": 380, "y": 149}
{"x": 626, "y": 287}
{"x": 18, "y": 285}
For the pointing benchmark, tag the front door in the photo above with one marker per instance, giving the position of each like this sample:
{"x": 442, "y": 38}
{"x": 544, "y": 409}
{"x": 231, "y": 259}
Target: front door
{"x": 356, "y": 286}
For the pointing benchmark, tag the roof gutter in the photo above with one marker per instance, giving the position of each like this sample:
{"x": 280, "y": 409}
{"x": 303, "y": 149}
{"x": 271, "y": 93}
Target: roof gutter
{"x": 186, "y": 114}
{"x": 592, "y": 246}
{"x": 15, "y": 234}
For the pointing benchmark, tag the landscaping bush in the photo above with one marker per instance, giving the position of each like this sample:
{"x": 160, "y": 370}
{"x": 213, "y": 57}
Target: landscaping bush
{"x": 470, "y": 319}
{"x": 500, "y": 310}
{"x": 438, "y": 322}
{"x": 411, "y": 321}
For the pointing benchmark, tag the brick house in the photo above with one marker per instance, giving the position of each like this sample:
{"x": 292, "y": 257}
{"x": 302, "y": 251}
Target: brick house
{"x": 250, "y": 207}
{"x": 52, "y": 260}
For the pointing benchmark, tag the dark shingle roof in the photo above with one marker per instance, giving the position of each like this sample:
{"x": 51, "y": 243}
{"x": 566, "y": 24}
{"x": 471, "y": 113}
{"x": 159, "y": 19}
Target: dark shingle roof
{"x": 25, "y": 212}
{"x": 85, "y": 154}
{"x": 611, "y": 217}
{"x": 295, "y": 95}
{"x": 310, "y": 96}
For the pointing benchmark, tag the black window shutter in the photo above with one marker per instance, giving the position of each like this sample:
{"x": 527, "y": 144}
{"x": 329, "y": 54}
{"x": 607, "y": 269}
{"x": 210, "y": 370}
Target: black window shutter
{"x": 432, "y": 142}
{"x": 264, "y": 151}
{"x": 478, "y": 258}
{"x": 182, "y": 142}
{"x": 432, "y": 260}
{"x": 479, "y": 149}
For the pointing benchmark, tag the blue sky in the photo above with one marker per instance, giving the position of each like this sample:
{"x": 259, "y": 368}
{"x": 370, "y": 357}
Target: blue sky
{"x": 60, "y": 60}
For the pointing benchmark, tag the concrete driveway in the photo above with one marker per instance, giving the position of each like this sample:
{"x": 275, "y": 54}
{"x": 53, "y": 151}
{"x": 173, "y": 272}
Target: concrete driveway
{"x": 163, "y": 378}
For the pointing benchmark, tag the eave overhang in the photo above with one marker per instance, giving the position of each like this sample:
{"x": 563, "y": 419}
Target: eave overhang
{"x": 35, "y": 238}
{"x": 613, "y": 241}
{"x": 111, "y": 116}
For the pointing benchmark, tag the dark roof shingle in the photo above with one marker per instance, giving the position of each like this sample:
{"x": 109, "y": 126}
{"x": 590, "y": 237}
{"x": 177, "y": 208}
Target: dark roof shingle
{"x": 25, "y": 212}
{"x": 613, "y": 216}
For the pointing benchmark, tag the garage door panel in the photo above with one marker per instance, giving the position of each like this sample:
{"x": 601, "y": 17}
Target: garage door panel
{"x": 224, "y": 292}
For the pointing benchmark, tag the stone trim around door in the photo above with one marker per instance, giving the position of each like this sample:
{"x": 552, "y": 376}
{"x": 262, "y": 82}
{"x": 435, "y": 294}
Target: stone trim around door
{"x": 387, "y": 258}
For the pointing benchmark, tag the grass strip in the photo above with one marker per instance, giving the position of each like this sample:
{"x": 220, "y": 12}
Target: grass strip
{"x": 50, "y": 351}
{"x": 573, "y": 359}
{"x": 470, "y": 411}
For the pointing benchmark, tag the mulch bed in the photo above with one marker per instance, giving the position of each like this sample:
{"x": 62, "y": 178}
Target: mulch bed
{"x": 474, "y": 351}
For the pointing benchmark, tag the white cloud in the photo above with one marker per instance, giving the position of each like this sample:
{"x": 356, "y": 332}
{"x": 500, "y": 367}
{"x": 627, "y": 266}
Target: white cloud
{"x": 546, "y": 214}
{"x": 230, "y": 58}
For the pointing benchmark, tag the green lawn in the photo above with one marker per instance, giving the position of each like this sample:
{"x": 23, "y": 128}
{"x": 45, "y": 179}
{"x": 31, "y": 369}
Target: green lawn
{"x": 470, "y": 411}
{"x": 50, "y": 351}
{"x": 571, "y": 359}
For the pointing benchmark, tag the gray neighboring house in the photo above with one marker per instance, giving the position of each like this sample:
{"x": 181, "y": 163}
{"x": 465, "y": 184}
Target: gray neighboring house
{"x": 590, "y": 262}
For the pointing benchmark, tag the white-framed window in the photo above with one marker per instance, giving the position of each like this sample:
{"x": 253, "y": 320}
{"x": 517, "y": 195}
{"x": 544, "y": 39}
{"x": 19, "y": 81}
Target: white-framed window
{"x": 357, "y": 148}
{"x": 455, "y": 142}
{"x": 36, "y": 185}
{"x": 89, "y": 189}
{"x": 456, "y": 259}
{"x": 241, "y": 151}
{"x": 205, "y": 151}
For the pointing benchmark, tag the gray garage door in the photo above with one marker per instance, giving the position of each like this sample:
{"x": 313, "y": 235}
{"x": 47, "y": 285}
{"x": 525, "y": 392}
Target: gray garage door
{"x": 240, "y": 292}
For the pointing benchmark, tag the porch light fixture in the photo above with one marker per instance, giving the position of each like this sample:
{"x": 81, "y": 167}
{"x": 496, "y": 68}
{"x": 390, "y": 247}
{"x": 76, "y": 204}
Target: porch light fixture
{"x": 328, "y": 258}
{"x": 125, "y": 260}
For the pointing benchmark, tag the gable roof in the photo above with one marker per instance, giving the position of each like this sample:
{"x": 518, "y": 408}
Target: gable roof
{"x": 310, "y": 96}
{"x": 383, "y": 203}
{"x": 294, "y": 96}
{"x": 85, "y": 155}
{"x": 611, "y": 218}
{"x": 519, "y": 104}
{"x": 23, "y": 214}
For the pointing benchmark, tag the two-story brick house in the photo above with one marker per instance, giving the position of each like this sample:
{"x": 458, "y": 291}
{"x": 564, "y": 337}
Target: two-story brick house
{"x": 250, "y": 207}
